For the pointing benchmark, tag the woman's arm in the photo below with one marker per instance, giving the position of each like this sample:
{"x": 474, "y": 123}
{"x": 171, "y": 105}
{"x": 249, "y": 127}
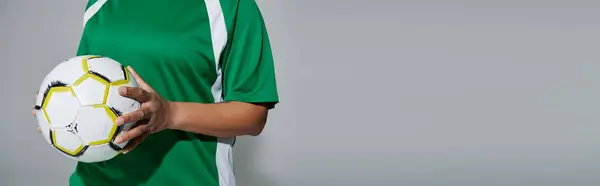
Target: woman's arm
{"x": 228, "y": 119}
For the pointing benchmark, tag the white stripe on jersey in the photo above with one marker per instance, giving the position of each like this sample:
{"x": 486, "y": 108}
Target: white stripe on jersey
{"x": 218, "y": 31}
{"x": 92, "y": 10}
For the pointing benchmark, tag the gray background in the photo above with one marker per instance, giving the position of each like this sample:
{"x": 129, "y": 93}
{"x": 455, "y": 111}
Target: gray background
{"x": 418, "y": 93}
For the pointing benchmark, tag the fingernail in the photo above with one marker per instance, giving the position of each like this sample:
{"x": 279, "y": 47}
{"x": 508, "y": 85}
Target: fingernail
{"x": 125, "y": 151}
{"x": 122, "y": 90}
{"x": 118, "y": 140}
{"x": 119, "y": 121}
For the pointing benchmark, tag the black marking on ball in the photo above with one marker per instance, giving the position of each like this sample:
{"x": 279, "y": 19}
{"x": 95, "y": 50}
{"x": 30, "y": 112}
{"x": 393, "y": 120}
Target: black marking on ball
{"x": 37, "y": 107}
{"x": 124, "y": 72}
{"x": 76, "y": 155}
{"x": 56, "y": 147}
{"x": 116, "y": 111}
{"x": 82, "y": 151}
{"x": 114, "y": 146}
{"x": 72, "y": 128}
{"x": 57, "y": 84}
{"x": 50, "y": 86}
{"x": 112, "y": 140}
{"x": 50, "y": 136}
{"x": 100, "y": 75}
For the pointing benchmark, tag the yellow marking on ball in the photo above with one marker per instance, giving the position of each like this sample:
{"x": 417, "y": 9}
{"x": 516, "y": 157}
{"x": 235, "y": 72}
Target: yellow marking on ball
{"x": 123, "y": 81}
{"x": 113, "y": 129}
{"x": 72, "y": 153}
{"x": 84, "y": 62}
{"x": 98, "y": 79}
{"x": 49, "y": 97}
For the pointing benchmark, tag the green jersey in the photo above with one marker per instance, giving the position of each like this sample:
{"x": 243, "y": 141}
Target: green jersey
{"x": 188, "y": 51}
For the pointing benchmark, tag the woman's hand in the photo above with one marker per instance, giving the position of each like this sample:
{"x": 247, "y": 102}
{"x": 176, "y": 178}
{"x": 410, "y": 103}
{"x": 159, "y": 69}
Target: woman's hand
{"x": 153, "y": 116}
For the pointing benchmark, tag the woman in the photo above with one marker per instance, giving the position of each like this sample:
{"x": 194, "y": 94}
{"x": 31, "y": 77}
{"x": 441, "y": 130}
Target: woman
{"x": 208, "y": 76}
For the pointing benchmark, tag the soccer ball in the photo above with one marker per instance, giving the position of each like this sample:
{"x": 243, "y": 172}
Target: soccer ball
{"x": 77, "y": 106}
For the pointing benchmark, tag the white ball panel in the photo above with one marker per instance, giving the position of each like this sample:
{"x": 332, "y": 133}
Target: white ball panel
{"x": 93, "y": 124}
{"x": 108, "y": 67}
{"x": 43, "y": 124}
{"x": 97, "y": 153}
{"x": 61, "y": 108}
{"x": 132, "y": 81}
{"x": 67, "y": 140}
{"x": 91, "y": 91}
{"x": 121, "y": 103}
{"x": 68, "y": 72}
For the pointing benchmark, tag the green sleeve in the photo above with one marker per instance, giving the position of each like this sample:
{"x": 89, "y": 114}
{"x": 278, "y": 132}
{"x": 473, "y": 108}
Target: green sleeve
{"x": 247, "y": 66}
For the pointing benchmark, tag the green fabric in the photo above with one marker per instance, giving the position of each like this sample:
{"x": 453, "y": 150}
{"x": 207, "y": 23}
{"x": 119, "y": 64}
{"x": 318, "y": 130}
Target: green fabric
{"x": 168, "y": 42}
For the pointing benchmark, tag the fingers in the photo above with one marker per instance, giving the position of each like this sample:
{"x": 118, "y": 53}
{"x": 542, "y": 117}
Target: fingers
{"x": 34, "y": 108}
{"x": 140, "y": 114}
{"x": 33, "y": 112}
{"x": 135, "y": 132}
{"x": 138, "y": 94}
{"x": 133, "y": 144}
{"x": 139, "y": 79}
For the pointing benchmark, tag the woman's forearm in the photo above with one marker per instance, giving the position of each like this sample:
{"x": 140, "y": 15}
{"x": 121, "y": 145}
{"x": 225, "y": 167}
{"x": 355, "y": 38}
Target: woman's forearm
{"x": 227, "y": 119}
